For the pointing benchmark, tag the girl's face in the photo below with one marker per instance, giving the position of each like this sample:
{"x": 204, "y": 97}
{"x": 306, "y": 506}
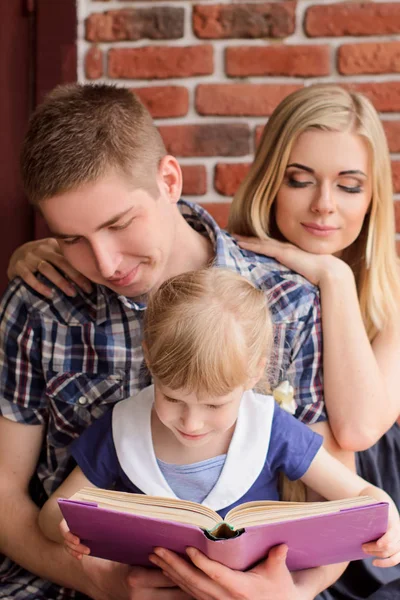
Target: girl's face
{"x": 326, "y": 192}
{"x": 196, "y": 420}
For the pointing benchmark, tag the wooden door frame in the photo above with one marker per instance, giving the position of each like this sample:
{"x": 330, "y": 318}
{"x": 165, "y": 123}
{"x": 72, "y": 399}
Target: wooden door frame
{"x": 56, "y": 59}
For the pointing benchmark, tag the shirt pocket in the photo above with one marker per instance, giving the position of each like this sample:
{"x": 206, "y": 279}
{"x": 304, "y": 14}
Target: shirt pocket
{"x": 77, "y": 399}
{"x": 86, "y": 371}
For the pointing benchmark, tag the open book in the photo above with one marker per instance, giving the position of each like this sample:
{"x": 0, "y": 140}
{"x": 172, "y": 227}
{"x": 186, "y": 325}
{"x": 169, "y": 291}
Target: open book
{"x": 126, "y": 527}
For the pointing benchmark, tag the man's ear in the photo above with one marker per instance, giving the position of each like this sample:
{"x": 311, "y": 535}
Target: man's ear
{"x": 170, "y": 178}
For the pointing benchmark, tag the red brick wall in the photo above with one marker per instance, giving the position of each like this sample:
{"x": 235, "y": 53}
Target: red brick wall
{"x": 212, "y": 72}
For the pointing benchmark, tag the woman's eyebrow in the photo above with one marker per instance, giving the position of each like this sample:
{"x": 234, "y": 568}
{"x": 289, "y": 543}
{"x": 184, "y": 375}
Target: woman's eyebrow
{"x": 310, "y": 170}
{"x": 303, "y": 167}
{"x": 353, "y": 172}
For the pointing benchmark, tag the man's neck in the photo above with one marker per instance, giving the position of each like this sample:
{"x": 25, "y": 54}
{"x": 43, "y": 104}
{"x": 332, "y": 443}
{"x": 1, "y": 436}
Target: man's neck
{"x": 192, "y": 250}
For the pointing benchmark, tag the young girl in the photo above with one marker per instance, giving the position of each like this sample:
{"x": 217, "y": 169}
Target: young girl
{"x": 319, "y": 199}
{"x": 207, "y": 336}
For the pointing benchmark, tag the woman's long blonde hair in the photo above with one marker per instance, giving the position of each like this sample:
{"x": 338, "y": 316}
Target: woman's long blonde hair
{"x": 372, "y": 256}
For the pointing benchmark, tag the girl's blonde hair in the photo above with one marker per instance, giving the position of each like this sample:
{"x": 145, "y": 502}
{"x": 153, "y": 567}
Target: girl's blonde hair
{"x": 372, "y": 256}
{"x": 207, "y": 331}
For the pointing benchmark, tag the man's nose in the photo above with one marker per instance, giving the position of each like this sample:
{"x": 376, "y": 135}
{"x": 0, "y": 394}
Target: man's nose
{"x": 106, "y": 257}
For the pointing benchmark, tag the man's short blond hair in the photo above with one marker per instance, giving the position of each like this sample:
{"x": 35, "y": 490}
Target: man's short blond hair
{"x": 81, "y": 132}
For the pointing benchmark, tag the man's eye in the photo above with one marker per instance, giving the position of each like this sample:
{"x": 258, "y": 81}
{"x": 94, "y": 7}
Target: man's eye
{"x": 122, "y": 226}
{"x": 71, "y": 241}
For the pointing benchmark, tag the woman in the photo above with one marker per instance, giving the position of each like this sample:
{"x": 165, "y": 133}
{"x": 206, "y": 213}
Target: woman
{"x": 319, "y": 199}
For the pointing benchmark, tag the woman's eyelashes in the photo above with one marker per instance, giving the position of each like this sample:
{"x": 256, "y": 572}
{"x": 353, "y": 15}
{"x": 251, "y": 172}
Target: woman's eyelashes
{"x": 350, "y": 189}
{"x": 291, "y": 182}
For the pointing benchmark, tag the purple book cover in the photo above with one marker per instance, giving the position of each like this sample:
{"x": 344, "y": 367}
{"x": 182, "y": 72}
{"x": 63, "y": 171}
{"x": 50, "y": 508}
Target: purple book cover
{"x": 312, "y": 541}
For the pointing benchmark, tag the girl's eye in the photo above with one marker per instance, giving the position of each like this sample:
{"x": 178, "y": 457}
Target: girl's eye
{"x": 172, "y": 400}
{"x": 351, "y": 189}
{"x": 214, "y": 406}
{"x": 122, "y": 226}
{"x": 297, "y": 184}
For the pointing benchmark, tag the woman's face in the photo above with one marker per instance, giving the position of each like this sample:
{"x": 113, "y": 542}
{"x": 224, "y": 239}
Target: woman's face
{"x": 324, "y": 197}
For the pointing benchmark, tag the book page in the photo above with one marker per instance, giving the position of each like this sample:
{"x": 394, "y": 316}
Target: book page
{"x": 169, "y": 509}
{"x": 258, "y": 513}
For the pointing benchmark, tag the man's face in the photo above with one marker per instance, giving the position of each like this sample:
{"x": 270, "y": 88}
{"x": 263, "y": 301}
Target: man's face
{"x": 114, "y": 234}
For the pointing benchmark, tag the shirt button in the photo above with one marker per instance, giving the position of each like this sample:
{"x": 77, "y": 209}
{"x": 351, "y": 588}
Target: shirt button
{"x": 82, "y": 400}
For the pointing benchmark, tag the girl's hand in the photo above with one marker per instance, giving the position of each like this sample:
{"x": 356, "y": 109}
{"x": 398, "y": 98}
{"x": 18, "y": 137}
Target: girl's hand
{"x": 314, "y": 267}
{"x": 39, "y": 256}
{"x": 387, "y": 548}
{"x": 72, "y": 543}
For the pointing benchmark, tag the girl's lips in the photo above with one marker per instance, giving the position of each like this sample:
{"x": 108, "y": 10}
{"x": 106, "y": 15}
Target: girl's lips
{"x": 192, "y": 437}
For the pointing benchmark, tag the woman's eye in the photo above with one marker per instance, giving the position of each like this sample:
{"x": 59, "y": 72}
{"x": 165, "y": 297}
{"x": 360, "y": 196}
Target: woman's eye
{"x": 351, "y": 189}
{"x": 297, "y": 184}
{"x": 122, "y": 226}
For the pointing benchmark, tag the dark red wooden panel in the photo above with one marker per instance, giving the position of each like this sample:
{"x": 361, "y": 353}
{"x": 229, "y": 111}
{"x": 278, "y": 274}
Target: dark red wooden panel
{"x": 16, "y": 37}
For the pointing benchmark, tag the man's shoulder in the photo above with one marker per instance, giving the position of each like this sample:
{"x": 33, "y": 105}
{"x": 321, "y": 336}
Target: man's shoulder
{"x": 20, "y": 299}
{"x": 288, "y": 292}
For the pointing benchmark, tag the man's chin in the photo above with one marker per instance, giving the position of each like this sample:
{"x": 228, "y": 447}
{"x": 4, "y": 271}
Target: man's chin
{"x": 135, "y": 290}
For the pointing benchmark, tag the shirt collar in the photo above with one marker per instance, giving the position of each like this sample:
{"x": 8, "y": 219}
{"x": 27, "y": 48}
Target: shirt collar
{"x": 131, "y": 425}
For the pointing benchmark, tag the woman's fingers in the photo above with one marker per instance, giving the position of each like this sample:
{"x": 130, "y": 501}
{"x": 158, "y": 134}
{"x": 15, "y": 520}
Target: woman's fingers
{"x": 23, "y": 271}
{"x": 44, "y": 256}
{"x": 45, "y": 267}
{"x": 384, "y": 563}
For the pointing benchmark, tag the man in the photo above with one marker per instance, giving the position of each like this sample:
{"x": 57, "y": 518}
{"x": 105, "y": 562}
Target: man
{"x": 95, "y": 166}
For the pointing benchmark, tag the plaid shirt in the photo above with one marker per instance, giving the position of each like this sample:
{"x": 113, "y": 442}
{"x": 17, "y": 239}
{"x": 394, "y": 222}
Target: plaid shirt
{"x": 65, "y": 362}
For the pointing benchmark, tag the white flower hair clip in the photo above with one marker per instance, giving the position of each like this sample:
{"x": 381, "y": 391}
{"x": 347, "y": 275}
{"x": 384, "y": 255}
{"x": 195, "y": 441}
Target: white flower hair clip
{"x": 284, "y": 395}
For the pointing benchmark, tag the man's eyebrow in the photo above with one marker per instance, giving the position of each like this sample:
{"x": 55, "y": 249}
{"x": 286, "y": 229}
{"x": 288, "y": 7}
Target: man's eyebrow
{"x": 112, "y": 221}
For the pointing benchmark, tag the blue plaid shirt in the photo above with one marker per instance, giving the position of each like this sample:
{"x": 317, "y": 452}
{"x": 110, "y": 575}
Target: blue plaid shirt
{"x": 65, "y": 362}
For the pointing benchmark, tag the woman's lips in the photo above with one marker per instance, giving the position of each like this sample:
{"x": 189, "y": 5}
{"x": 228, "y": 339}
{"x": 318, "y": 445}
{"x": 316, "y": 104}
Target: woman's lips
{"x": 319, "y": 230}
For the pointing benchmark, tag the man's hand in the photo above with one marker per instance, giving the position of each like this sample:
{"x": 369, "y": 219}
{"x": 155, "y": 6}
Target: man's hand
{"x": 209, "y": 580}
{"x": 109, "y": 580}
